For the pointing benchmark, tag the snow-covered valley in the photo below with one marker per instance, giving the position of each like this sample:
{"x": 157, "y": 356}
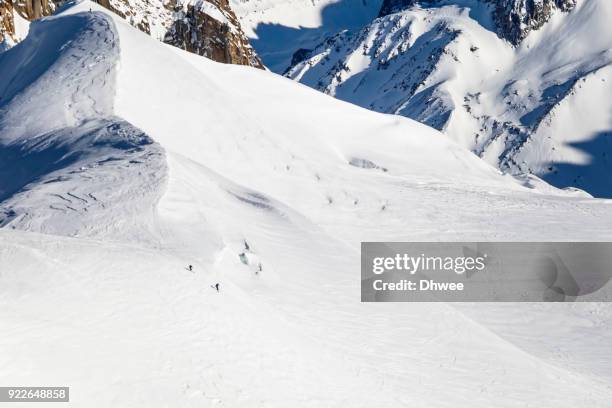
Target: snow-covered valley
{"x": 124, "y": 160}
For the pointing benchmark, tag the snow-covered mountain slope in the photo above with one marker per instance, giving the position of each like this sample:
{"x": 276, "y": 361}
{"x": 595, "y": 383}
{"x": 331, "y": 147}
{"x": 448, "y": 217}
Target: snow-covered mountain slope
{"x": 278, "y": 28}
{"x": 541, "y": 107}
{"x": 267, "y": 187}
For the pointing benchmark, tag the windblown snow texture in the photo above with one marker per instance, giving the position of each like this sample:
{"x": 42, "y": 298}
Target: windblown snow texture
{"x": 68, "y": 165}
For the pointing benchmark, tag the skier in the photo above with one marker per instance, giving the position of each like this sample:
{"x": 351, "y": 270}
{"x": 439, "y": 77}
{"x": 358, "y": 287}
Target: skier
{"x": 217, "y": 286}
{"x": 190, "y": 267}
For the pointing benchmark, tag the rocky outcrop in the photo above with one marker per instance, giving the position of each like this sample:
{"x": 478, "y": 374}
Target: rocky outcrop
{"x": 393, "y": 6}
{"x": 515, "y": 19}
{"x": 7, "y": 21}
{"x": 33, "y": 9}
{"x": 210, "y": 28}
{"x": 205, "y": 27}
{"x": 27, "y": 9}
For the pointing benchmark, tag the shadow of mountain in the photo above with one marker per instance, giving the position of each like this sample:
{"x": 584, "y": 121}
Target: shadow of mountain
{"x": 276, "y": 43}
{"x": 27, "y": 161}
{"x": 594, "y": 177}
{"x": 20, "y": 166}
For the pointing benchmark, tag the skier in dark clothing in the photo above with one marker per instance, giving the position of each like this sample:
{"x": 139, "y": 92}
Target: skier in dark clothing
{"x": 190, "y": 267}
{"x": 217, "y": 286}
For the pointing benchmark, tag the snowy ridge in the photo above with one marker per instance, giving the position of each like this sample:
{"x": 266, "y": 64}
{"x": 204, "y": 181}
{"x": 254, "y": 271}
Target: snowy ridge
{"x": 240, "y": 181}
{"x": 78, "y": 70}
{"x": 71, "y": 170}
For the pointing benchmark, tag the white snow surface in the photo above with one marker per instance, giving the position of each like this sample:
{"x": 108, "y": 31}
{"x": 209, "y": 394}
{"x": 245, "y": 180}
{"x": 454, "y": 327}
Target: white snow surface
{"x": 129, "y": 159}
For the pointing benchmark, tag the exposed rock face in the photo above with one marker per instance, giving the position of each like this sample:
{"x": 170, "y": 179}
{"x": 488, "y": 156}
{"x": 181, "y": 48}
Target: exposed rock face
{"x": 205, "y": 27}
{"x": 210, "y": 28}
{"x": 7, "y": 21}
{"x": 33, "y": 9}
{"x": 393, "y": 6}
{"x": 27, "y": 9}
{"x": 514, "y": 19}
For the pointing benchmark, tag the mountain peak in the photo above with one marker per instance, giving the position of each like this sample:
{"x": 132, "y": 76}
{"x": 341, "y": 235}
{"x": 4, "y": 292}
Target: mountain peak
{"x": 393, "y": 6}
{"x": 514, "y": 19}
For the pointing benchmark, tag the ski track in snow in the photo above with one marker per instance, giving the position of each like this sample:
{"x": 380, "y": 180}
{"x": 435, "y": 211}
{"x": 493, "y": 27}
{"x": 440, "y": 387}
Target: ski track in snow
{"x": 198, "y": 163}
